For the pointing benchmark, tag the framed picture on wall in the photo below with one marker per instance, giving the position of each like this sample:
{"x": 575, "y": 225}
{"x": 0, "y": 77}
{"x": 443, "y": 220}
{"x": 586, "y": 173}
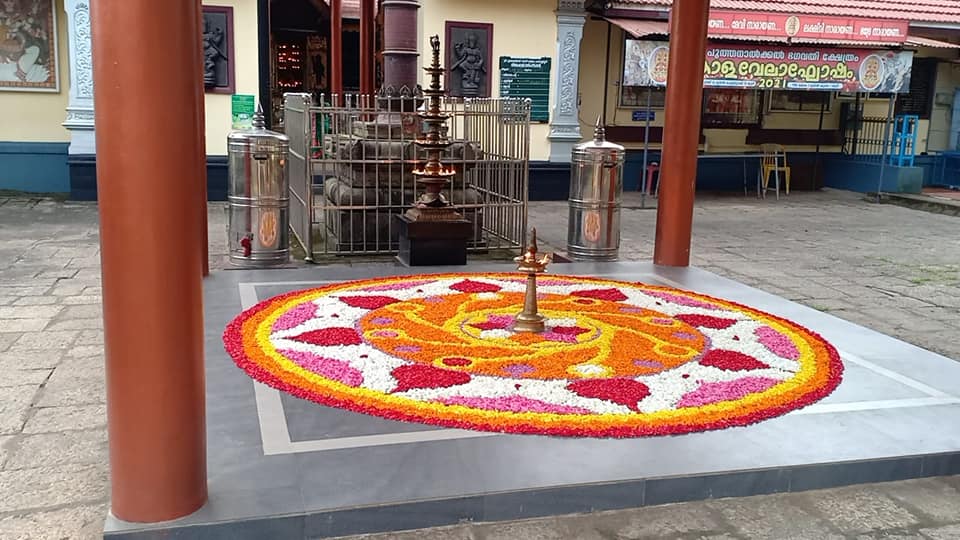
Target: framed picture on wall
{"x": 218, "y": 57}
{"x": 469, "y": 51}
{"x": 28, "y": 46}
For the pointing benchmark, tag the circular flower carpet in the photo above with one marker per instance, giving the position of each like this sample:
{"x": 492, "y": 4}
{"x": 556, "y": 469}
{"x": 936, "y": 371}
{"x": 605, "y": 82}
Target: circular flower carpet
{"x": 616, "y": 359}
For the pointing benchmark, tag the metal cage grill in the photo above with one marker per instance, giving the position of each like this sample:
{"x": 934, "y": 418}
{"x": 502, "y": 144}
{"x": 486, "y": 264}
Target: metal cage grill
{"x": 351, "y": 171}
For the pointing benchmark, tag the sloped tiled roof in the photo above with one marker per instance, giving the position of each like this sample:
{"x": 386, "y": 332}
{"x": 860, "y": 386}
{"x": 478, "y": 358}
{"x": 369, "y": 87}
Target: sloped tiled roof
{"x": 639, "y": 28}
{"x": 943, "y": 11}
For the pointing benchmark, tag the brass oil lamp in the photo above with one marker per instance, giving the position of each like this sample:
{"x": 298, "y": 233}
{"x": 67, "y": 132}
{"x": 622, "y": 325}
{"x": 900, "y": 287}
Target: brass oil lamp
{"x": 433, "y": 175}
{"x": 529, "y": 320}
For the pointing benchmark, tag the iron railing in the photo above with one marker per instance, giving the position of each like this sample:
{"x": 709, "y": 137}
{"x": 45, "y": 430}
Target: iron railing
{"x": 866, "y": 137}
{"x": 874, "y": 139}
{"x": 351, "y": 171}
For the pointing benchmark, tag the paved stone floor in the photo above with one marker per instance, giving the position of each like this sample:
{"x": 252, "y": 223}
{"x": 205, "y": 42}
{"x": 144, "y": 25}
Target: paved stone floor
{"x": 889, "y": 268}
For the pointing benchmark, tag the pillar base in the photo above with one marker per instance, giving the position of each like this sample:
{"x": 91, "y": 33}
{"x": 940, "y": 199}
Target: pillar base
{"x": 561, "y": 150}
{"x": 433, "y": 243}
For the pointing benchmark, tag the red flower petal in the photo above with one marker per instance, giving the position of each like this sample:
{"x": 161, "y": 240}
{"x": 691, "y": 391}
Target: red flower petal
{"x": 627, "y": 392}
{"x": 368, "y": 302}
{"x": 412, "y": 376}
{"x": 456, "y": 361}
{"x": 470, "y": 286}
{"x": 731, "y": 361}
{"x": 495, "y": 322}
{"x": 327, "y": 337}
{"x": 569, "y": 330}
{"x": 706, "y": 321}
{"x": 488, "y": 326}
{"x": 610, "y": 295}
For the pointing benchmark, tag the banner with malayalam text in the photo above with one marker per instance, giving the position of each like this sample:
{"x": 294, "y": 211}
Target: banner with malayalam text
{"x": 777, "y": 67}
{"x": 806, "y": 26}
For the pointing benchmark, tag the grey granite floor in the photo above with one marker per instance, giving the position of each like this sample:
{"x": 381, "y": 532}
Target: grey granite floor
{"x": 334, "y": 472}
{"x": 890, "y": 269}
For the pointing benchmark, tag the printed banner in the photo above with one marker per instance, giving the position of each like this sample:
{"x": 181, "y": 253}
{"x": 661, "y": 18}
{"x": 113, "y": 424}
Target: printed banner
{"x": 752, "y": 24}
{"x": 777, "y": 68}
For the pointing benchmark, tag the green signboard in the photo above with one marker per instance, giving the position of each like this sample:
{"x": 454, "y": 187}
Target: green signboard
{"x": 527, "y": 78}
{"x": 242, "y": 107}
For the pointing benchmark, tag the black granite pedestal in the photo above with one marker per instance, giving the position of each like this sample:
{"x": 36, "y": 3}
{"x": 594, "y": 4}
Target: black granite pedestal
{"x": 433, "y": 243}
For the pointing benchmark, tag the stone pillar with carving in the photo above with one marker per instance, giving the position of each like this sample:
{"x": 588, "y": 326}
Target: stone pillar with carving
{"x": 80, "y": 106}
{"x": 401, "y": 54}
{"x": 564, "y": 120}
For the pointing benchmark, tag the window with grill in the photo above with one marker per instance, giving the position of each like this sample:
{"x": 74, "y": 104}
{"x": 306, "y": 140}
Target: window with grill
{"x": 730, "y": 107}
{"x": 923, "y": 79}
{"x": 636, "y": 96}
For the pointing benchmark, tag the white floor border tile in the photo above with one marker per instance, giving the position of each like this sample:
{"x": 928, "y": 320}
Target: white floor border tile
{"x": 275, "y": 433}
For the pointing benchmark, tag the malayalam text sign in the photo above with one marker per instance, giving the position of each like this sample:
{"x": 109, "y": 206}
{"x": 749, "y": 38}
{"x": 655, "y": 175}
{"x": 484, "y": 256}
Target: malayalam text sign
{"x": 778, "y": 67}
{"x": 784, "y": 25}
{"x": 527, "y": 78}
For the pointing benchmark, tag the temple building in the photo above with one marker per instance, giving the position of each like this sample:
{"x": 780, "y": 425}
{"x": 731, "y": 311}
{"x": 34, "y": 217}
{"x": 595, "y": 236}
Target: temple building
{"x": 816, "y": 77}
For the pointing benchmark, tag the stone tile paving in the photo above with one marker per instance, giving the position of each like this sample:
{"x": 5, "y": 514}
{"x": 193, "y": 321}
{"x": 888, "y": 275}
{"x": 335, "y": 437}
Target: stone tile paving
{"x": 889, "y": 268}
{"x": 893, "y": 269}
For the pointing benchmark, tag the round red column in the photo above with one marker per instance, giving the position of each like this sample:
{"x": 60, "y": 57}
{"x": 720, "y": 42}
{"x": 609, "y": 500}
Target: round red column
{"x": 149, "y": 161}
{"x": 202, "y": 127}
{"x": 681, "y": 134}
{"x": 336, "y": 48}
{"x": 368, "y": 26}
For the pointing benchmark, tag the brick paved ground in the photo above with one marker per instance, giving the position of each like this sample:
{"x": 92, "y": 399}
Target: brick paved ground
{"x": 893, "y": 269}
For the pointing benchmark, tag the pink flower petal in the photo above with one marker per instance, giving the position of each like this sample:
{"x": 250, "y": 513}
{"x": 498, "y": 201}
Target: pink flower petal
{"x": 336, "y": 370}
{"x": 714, "y": 392}
{"x": 296, "y": 316}
{"x": 402, "y": 285}
{"x": 517, "y": 404}
{"x": 777, "y": 343}
{"x": 681, "y": 300}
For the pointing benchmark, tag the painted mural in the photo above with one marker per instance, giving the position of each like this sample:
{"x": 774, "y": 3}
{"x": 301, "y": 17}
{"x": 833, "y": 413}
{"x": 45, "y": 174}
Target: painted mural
{"x": 28, "y": 46}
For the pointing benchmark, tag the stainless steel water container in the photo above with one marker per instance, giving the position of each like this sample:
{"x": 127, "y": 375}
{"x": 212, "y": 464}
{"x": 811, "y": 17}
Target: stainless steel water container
{"x": 596, "y": 190}
{"x": 258, "y": 196}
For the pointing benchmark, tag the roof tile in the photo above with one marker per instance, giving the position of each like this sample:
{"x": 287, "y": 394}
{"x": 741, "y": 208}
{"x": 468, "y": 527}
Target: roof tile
{"x": 910, "y": 10}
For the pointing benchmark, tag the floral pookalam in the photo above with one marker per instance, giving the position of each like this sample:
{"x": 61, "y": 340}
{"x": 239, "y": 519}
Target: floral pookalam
{"x": 616, "y": 359}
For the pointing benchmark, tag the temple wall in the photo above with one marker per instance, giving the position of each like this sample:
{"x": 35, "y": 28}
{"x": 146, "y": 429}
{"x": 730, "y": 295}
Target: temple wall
{"x": 525, "y": 28}
{"x": 246, "y": 66}
{"x": 38, "y": 116}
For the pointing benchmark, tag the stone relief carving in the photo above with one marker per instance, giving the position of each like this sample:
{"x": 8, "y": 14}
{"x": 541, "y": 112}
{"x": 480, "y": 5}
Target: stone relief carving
{"x": 570, "y": 5}
{"x": 84, "y": 58}
{"x": 570, "y": 130}
{"x": 565, "y": 125}
{"x": 470, "y": 63}
{"x": 403, "y": 91}
{"x": 79, "y": 117}
{"x": 218, "y": 57}
{"x": 213, "y": 38}
{"x": 469, "y": 49}
{"x": 568, "y": 74}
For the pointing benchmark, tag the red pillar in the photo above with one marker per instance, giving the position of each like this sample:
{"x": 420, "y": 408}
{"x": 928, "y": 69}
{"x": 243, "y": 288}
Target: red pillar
{"x": 368, "y": 27}
{"x": 149, "y": 161}
{"x": 678, "y": 164}
{"x": 336, "y": 47}
{"x": 201, "y": 126}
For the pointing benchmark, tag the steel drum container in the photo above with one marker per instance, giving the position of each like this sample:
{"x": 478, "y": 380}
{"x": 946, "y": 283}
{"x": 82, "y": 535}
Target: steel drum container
{"x": 258, "y": 196}
{"x": 596, "y": 192}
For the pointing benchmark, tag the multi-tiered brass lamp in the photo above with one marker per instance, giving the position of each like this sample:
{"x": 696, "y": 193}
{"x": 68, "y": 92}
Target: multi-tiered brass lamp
{"x": 432, "y": 232}
{"x": 433, "y": 175}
